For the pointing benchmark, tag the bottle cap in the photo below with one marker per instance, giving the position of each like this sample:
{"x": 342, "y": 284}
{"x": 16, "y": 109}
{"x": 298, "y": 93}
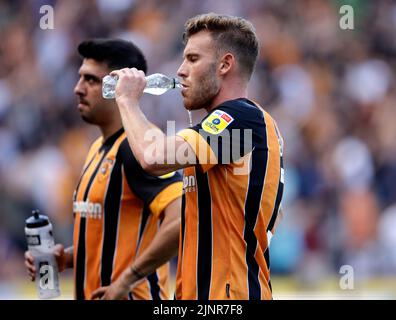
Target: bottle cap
{"x": 37, "y": 220}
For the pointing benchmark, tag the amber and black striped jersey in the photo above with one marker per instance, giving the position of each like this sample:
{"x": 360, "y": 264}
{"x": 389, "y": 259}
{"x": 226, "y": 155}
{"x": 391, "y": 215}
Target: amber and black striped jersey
{"x": 117, "y": 210}
{"x": 230, "y": 203}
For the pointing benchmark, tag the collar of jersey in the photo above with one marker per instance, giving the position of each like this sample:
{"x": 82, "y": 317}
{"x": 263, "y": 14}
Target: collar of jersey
{"x": 113, "y": 138}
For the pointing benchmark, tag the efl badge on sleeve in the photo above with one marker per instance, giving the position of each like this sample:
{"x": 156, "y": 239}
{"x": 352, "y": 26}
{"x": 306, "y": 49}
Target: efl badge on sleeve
{"x": 217, "y": 121}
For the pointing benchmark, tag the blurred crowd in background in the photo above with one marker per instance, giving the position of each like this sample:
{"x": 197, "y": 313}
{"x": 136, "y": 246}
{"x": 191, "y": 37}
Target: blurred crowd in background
{"x": 331, "y": 91}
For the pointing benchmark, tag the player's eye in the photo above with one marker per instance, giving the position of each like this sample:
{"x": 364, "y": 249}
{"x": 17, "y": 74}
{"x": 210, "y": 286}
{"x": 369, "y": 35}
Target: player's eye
{"x": 192, "y": 58}
{"x": 91, "y": 79}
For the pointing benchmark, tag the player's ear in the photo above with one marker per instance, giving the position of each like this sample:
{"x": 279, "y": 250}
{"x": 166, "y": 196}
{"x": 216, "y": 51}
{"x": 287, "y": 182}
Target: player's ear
{"x": 226, "y": 63}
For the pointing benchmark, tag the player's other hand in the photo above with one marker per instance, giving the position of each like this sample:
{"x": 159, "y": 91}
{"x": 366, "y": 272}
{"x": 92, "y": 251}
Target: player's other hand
{"x": 116, "y": 291}
{"x": 29, "y": 263}
{"x": 60, "y": 255}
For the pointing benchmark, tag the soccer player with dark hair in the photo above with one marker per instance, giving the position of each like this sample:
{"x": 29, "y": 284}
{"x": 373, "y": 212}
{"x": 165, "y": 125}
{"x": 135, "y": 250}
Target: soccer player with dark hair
{"x": 126, "y": 221}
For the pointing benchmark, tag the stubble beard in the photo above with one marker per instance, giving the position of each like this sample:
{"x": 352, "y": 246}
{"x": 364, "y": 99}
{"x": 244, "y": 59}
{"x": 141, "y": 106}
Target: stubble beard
{"x": 207, "y": 87}
{"x": 87, "y": 119}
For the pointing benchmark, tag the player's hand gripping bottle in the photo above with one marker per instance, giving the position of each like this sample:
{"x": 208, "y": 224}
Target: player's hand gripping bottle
{"x": 38, "y": 231}
{"x": 157, "y": 84}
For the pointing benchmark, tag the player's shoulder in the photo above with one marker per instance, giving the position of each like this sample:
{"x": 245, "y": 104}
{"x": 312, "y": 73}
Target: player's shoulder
{"x": 241, "y": 107}
{"x": 98, "y": 142}
{"x": 124, "y": 145}
{"x": 96, "y": 145}
{"x": 125, "y": 152}
{"x": 130, "y": 162}
{"x": 237, "y": 113}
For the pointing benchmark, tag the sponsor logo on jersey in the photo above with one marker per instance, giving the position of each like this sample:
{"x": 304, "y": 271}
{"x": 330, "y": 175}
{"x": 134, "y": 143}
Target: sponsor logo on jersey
{"x": 88, "y": 209}
{"x": 216, "y": 122}
{"x": 189, "y": 184}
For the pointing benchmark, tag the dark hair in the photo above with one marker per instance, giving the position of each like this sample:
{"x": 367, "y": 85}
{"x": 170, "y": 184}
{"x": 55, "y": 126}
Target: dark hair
{"x": 232, "y": 34}
{"x": 116, "y": 53}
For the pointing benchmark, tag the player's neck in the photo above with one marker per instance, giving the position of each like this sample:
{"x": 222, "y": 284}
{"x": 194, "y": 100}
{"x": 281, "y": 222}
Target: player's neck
{"x": 229, "y": 90}
{"x": 109, "y": 129}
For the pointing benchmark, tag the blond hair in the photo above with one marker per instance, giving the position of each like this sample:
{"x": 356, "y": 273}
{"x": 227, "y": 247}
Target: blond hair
{"x": 230, "y": 34}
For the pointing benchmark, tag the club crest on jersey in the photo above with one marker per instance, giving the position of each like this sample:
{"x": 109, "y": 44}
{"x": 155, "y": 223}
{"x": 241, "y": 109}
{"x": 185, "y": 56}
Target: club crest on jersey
{"x": 105, "y": 168}
{"x": 217, "y": 121}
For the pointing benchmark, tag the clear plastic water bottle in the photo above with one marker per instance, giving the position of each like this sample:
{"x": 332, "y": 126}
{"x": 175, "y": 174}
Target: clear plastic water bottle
{"x": 157, "y": 84}
{"x": 38, "y": 231}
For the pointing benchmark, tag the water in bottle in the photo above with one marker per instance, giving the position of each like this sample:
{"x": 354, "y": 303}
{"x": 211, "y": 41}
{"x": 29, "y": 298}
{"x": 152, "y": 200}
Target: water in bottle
{"x": 38, "y": 231}
{"x": 157, "y": 84}
{"x": 190, "y": 118}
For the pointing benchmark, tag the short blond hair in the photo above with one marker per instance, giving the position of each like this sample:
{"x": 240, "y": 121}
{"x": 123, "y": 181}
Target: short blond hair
{"x": 230, "y": 34}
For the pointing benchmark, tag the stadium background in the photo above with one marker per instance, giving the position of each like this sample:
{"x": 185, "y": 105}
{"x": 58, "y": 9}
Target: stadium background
{"x": 332, "y": 92}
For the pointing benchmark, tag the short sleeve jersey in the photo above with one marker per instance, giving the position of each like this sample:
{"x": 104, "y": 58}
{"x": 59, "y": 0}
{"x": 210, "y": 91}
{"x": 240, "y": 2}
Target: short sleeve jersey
{"x": 117, "y": 211}
{"x": 230, "y": 203}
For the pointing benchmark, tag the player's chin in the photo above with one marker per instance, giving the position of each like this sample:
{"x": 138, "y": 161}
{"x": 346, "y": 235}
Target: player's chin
{"x": 82, "y": 106}
{"x": 187, "y": 104}
{"x": 86, "y": 118}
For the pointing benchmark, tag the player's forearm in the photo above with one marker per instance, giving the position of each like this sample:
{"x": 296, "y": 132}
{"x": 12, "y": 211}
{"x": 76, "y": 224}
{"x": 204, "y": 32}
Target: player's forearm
{"x": 142, "y": 135}
{"x": 161, "y": 251}
{"x": 69, "y": 257}
{"x": 155, "y": 152}
{"x": 163, "y": 247}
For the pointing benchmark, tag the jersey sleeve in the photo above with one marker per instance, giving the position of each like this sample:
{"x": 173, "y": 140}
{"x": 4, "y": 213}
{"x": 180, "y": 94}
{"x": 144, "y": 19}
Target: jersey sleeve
{"x": 225, "y": 135}
{"x": 156, "y": 192}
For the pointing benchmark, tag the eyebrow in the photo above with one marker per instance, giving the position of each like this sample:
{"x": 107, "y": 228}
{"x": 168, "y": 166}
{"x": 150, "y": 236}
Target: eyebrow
{"x": 90, "y": 75}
